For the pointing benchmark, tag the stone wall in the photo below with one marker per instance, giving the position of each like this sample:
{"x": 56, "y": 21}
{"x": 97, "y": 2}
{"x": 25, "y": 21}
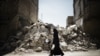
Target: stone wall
{"x": 15, "y": 14}
{"x": 92, "y": 21}
{"x": 78, "y": 6}
{"x": 28, "y": 9}
{"x": 8, "y": 10}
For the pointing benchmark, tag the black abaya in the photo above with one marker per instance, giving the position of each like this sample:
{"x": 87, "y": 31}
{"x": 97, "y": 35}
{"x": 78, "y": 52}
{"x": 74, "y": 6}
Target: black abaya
{"x": 56, "y": 50}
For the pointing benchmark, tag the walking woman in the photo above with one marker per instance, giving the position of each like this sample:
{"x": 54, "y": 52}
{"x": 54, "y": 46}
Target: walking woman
{"x": 56, "y": 50}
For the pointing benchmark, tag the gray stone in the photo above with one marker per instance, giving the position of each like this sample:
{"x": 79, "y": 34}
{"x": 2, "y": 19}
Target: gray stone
{"x": 38, "y": 49}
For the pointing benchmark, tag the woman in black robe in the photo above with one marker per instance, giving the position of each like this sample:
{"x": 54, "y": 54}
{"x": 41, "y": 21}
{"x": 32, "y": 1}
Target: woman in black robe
{"x": 56, "y": 46}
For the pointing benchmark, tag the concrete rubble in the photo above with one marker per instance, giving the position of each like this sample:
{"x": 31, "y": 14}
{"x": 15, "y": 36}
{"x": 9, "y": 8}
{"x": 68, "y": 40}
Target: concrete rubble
{"x": 38, "y": 37}
{"x": 77, "y": 40}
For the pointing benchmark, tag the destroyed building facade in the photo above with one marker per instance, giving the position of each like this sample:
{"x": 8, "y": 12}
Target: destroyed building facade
{"x": 15, "y": 14}
{"x": 86, "y": 15}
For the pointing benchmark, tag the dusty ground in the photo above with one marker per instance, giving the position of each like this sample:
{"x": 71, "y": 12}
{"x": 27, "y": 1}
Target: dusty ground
{"x": 75, "y": 53}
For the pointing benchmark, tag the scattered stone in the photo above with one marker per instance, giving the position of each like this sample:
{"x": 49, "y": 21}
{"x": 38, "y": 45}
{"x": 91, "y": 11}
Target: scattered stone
{"x": 39, "y": 49}
{"x": 63, "y": 46}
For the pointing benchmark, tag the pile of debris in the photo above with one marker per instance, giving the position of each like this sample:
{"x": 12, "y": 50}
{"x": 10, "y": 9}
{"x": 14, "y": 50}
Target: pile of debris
{"x": 76, "y": 39}
{"x": 39, "y": 36}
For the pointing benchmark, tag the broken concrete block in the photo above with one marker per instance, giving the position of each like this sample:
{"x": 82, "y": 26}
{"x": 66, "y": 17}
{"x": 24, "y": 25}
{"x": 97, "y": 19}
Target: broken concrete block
{"x": 38, "y": 49}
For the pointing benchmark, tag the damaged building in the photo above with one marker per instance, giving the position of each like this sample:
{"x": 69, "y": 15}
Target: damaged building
{"x": 14, "y": 15}
{"x": 86, "y": 15}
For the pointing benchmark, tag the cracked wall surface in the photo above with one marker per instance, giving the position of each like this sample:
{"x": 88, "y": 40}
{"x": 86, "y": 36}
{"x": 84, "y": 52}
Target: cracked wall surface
{"x": 15, "y": 14}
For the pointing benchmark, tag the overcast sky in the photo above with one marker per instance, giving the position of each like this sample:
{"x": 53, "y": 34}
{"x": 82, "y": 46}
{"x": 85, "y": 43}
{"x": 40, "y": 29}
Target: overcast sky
{"x": 55, "y": 11}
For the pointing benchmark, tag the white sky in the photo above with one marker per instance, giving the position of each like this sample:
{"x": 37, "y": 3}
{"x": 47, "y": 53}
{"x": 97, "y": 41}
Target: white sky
{"x": 55, "y": 11}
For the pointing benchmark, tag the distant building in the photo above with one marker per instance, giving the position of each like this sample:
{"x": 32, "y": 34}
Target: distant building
{"x": 69, "y": 21}
{"x": 86, "y": 15}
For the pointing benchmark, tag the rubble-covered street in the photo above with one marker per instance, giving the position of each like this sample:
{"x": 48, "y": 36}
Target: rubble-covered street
{"x": 27, "y": 29}
{"x": 37, "y": 38}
